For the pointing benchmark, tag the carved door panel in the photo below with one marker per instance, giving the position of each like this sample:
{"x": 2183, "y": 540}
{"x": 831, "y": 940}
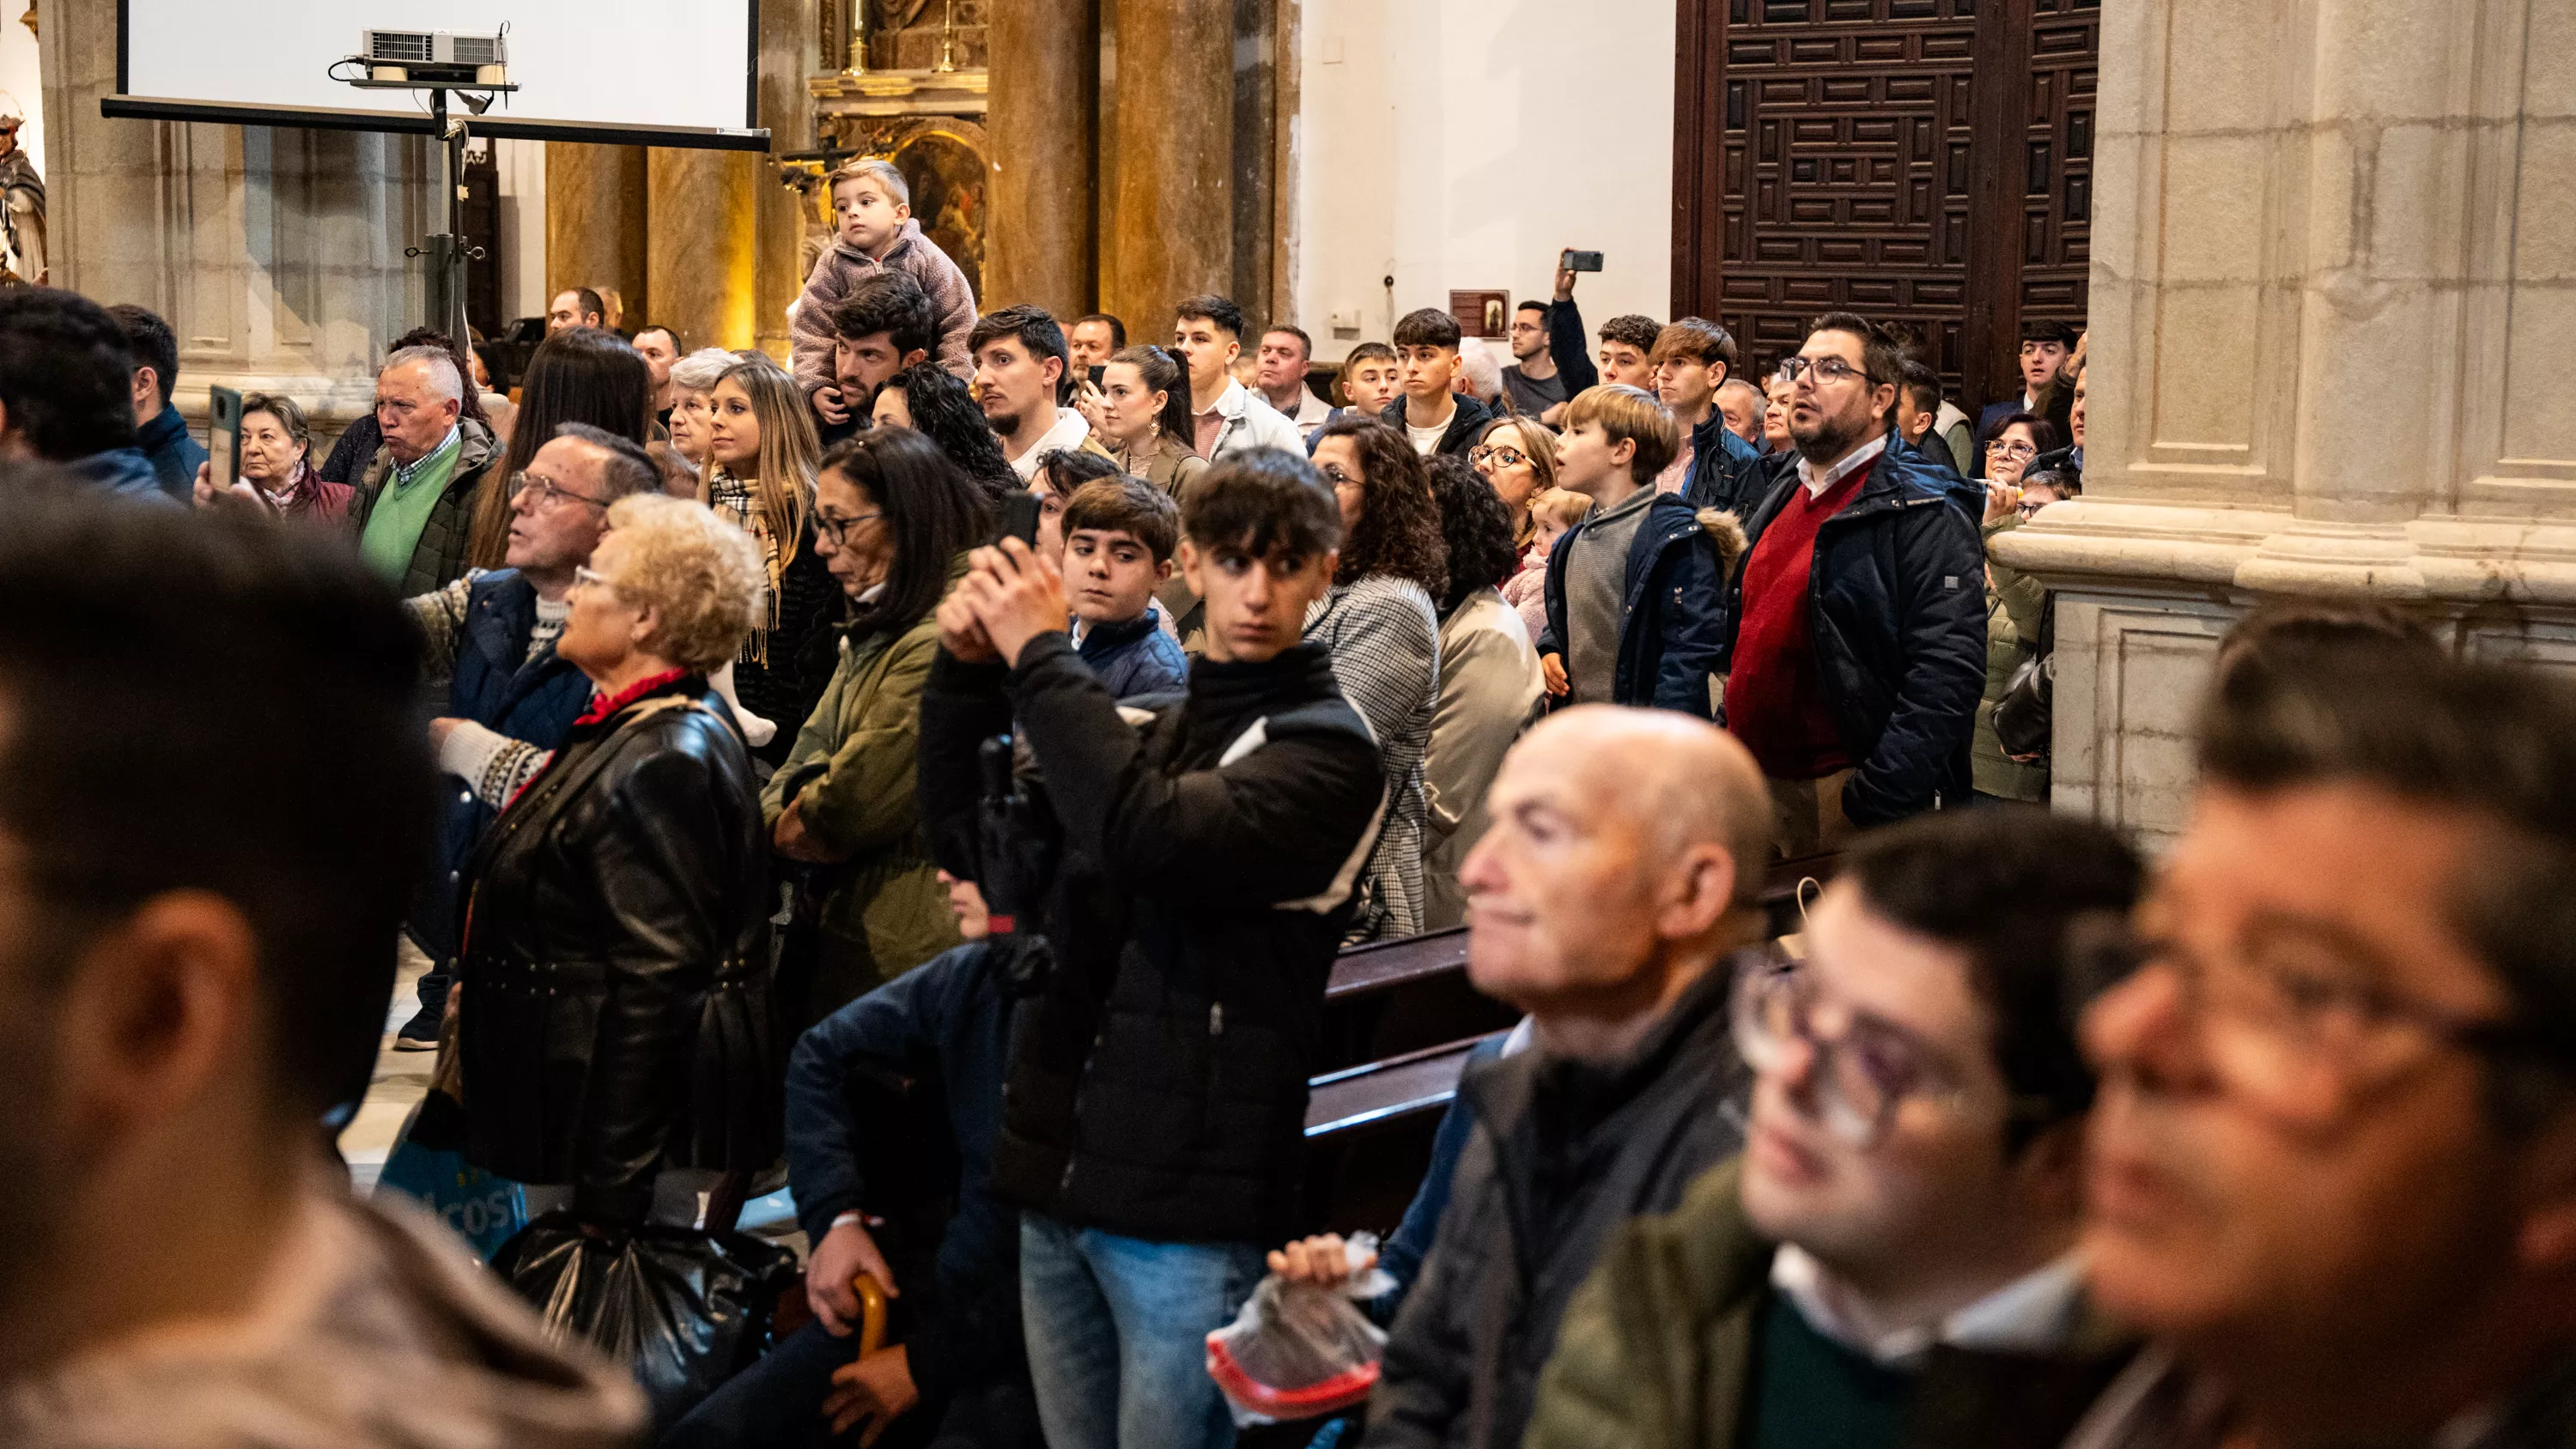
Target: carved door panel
{"x": 2057, "y": 159}
{"x": 1921, "y": 162}
{"x": 1844, "y": 179}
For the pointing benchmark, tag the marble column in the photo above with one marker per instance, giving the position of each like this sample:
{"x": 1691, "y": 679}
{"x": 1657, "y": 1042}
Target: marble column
{"x": 1171, "y": 204}
{"x": 595, "y": 222}
{"x": 701, "y": 258}
{"x": 1040, "y": 247}
{"x": 2334, "y": 283}
{"x": 275, "y": 255}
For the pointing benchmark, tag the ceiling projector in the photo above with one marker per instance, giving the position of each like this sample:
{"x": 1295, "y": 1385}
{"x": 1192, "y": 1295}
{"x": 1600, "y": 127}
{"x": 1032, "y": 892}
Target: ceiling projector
{"x": 435, "y": 57}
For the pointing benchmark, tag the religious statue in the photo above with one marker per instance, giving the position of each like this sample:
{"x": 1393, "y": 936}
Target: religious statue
{"x": 22, "y": 203}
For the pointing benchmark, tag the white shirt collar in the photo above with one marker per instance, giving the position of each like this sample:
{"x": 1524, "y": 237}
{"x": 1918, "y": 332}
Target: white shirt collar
{"x": 2031, "y": 1314}
{"x": 1067, "y": 435}
{"x": 1860, "y": 457}
{"x": 1231, "y": 402}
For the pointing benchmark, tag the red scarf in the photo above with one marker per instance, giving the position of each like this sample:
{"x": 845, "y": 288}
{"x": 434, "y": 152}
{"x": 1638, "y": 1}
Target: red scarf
{"x": 604, "y": 705}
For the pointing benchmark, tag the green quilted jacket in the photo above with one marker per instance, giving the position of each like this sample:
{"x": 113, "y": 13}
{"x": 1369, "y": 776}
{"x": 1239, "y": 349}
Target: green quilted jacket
{"x": 853, "y": 768}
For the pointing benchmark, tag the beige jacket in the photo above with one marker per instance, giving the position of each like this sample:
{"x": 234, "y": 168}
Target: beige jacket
{"x": 376, "y": 1330}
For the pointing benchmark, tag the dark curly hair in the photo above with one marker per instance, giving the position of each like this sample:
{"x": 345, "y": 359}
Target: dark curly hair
{"x": 1399, "y": 528}
{"x": 1474, "y": 526}
{"x": 944, "y": 412}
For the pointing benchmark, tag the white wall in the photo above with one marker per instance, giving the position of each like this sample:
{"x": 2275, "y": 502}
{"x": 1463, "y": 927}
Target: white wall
{"x": 19, "y": 77}
{"x": 522, "y": 168}
{"x": 1464, "y": 143}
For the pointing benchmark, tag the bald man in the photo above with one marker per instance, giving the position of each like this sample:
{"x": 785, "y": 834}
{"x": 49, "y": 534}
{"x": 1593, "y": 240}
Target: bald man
{"x": 1622, "y": 871}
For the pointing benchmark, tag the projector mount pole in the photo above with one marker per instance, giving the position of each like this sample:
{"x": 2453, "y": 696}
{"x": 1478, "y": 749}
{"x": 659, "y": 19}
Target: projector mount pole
{"x": 448, "y": 251}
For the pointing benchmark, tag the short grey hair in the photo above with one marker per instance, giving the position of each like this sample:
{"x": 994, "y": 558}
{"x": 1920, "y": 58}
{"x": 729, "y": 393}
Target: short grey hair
{"x": 1484, "y": 375}
{"x": 698, "y": 371}
{"x": 627, "y": 470}
{"x": 441, "y": 367}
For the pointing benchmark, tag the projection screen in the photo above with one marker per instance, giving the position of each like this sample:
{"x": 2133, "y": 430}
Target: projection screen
{"x": 649, "y": 72}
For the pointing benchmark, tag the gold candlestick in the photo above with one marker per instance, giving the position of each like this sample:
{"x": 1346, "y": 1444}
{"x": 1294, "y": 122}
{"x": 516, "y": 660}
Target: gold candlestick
{"x": 948, "y": 36}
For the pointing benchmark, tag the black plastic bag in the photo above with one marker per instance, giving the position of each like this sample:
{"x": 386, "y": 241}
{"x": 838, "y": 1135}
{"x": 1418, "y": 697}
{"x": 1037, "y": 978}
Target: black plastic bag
{"x": 683, "y": 1310}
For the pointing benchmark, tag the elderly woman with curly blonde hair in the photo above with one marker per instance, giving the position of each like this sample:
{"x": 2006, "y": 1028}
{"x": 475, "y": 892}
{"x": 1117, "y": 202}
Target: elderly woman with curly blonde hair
{"x": 615, "y": 1036}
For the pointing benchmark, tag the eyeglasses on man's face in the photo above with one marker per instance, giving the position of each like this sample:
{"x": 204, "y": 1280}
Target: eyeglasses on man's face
{"x": 2288, "y": 1020}
{"x": 1822, "y": 369}
{"x": 1862, "y": 1069}
{"x": 545, "y": 492}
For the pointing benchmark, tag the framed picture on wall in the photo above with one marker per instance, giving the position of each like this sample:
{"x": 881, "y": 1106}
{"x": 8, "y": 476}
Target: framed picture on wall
{"x": 1482, "y": 313}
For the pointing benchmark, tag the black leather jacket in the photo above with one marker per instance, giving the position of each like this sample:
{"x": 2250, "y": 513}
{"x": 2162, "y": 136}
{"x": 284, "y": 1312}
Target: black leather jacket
{"x": 617, "y": 1013}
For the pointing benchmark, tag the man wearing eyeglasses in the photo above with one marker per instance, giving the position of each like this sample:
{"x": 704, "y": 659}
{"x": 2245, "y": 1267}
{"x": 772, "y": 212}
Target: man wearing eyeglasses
{"x": 2334, "y": 1164}
{"x": 509, "y": 699}
{"x": 1857, "y": 648}
{"x": 1894, "y": 1249}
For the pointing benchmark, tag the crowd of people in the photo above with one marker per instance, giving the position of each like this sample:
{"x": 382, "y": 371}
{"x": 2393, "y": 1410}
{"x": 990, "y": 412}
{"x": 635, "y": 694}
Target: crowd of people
{"x": 985, "y": 732}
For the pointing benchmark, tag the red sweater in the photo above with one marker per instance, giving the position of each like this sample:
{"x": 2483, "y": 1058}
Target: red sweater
{"x": 1775, "y": 699}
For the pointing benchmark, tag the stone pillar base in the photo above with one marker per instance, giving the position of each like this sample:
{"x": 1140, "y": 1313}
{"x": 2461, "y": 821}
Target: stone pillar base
{"x": 2145, "y": 592}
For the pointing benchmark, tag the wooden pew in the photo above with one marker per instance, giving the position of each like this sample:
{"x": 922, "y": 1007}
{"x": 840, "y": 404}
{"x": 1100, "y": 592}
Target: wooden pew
{"x": 1399, "y": 1021}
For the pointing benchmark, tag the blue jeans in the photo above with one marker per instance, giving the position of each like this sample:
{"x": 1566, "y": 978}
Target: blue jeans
{"x": 1117, "y": 1330}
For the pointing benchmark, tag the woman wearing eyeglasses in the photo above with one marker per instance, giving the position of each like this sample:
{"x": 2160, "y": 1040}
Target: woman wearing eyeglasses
{"x": 893, "y": 522}
{"x": 1518, "y": 458}
{"x": 761, "y": 450}
{"x": 615, "y": 1034}
{"x": 2016, "y": 604}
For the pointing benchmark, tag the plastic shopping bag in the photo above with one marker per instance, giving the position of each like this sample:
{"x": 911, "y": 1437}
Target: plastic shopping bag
{"x": 683, "y": 1310}
{"x": 1297, "y": 1350}
{"x": 426, "y": 1167}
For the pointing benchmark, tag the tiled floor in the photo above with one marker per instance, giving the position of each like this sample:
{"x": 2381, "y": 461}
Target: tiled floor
{"x": 401, "y": 1080}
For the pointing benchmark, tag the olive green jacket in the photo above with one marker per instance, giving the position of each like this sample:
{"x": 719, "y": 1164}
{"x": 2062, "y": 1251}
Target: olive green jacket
{"x": 2015, "y": 605}
{"x": 1657, "y": 1346}
{"x": 1656, "y": 1350}
{"x": 852, "y": 773}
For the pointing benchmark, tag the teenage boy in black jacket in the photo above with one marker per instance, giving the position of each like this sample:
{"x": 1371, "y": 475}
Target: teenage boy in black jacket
{"x": 1153, "y": 1120}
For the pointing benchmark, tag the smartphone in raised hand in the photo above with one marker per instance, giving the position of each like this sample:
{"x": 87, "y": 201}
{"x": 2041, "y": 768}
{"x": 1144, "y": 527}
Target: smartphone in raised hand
{"x": 223, "y": 436}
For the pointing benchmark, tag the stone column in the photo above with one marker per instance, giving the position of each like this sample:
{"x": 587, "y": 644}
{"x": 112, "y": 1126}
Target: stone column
{"x": 1172, "y": 202}
{"x": 275, "y": 255}
{"x": 595, "y": 222}
{"x": 700, "y": 261}
{"x": 2334, "y": 308}
{"x": 1040, "y": 246}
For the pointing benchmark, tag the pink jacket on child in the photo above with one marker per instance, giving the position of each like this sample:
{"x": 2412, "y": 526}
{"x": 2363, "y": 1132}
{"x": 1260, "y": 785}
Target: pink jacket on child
{"x": 1526, "y": 592}
{"x": 839, "y": 268}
